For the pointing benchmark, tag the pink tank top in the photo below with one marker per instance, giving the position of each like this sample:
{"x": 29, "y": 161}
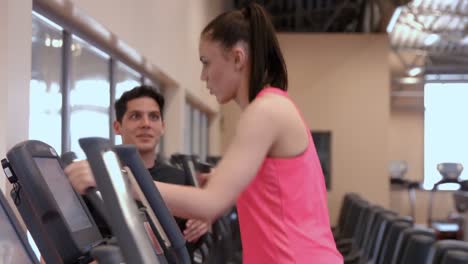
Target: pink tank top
{"x": 283, "y": 212}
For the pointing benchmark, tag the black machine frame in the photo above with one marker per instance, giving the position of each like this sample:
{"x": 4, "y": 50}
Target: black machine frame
{"x": 15, "y": 225}
{"x": 40, "y": 210}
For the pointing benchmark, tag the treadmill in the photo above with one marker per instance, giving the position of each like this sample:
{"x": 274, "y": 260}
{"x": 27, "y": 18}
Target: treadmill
{"x": 14, "y": 246}
{"x": 445, "y": 228}
{"x": 460, "y": 198}
{"x": 53, "y": 212}
{"x": 397, "y": 170}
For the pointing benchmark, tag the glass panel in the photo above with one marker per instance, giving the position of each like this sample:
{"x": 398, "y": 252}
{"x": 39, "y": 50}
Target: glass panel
{"x": 33, "y": 245}
{"x": 195, "y": 131}
{"x": 150, "y": 82}
{"x": 188, "y": 129}
{"x": 125, "y": 79}
{"x": 45, "y": 100}
{"x": 12, "y": 249}
{"x": 203, "y": 136}
{"x": 445, "y": 130}
{"x": 63, "y": 193}
{"x": 90, "y": 94}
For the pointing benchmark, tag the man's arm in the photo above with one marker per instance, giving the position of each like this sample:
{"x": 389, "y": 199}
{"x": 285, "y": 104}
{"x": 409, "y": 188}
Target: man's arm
{"x": 192, "y": 229}
{"x": 195, "y": 229}
{"x": 80, "y": 176}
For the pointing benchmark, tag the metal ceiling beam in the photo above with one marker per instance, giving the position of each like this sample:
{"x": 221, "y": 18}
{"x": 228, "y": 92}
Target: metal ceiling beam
{"x": 317, "y": 15}
{"x": 335, "y": 14}
{"x": 407, "y": 80}
{"x": 436, "y": 12}
{"x": 463, "y": 58}
{"x": 387, "y": 8}
{"x": 407, "y": 93}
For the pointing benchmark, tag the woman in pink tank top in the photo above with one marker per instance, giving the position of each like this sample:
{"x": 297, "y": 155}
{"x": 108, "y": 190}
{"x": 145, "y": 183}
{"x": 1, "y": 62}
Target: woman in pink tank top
{"x": 271, "y": 167}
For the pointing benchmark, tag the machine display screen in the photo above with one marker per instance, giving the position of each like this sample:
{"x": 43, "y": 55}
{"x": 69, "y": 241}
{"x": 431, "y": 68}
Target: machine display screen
{"x": 63, "y": 193}
{"x": 12, "y": 250}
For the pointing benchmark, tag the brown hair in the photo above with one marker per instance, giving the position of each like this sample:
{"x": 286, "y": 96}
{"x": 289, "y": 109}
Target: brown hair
{"x": 252, "y": 25}
{"x": 137, "y": 92}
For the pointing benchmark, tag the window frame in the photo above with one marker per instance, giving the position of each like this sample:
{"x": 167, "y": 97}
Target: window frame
{"x": 68, "y": 31}
{"x": 193, "y": 114}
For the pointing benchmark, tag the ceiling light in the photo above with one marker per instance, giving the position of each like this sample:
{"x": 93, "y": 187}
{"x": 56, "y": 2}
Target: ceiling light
{"x": 47, "y": 42}
{"x": 393, "y": 20}
{"x": 431, "y": 39}
{"x": 57, "y": 43}
{"x": 464, "y": 41}
{"x": 408, "y": 80}
{"x": 415, "y": 71}
{"x": 416, "y": 3}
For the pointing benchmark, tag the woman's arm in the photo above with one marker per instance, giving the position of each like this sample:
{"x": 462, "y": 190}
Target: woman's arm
{"x": 256, "y": 132}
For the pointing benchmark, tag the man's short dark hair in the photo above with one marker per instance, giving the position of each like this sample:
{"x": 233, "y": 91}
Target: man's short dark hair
{"x": 137, "y": 92}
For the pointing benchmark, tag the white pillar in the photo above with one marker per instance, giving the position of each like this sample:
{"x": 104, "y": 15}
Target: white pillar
{"x": 3, "y": 79}
{"x": 15, "y": 73}
{"x": 174, "y": 121}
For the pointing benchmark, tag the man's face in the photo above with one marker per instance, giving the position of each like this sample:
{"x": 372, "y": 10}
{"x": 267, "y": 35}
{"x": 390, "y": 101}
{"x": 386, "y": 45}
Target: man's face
{"x": 141, "y": 125}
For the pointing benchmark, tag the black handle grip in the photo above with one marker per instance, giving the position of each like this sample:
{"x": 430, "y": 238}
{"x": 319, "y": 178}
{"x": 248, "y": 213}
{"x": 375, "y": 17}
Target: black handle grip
{"x": 68, "y": 158}
{"x": 203, "y": 167}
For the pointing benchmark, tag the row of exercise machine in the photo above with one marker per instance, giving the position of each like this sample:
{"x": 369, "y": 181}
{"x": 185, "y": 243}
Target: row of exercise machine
{"x": 63, "y": 226}
{"x": 455, "y": 225}
{"x": 368, "y": 233}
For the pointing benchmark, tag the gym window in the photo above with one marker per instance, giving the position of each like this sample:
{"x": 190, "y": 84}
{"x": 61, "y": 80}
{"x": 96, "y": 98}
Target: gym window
{"x": 74, "y": 85}
{"x": 445, "y": 129}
